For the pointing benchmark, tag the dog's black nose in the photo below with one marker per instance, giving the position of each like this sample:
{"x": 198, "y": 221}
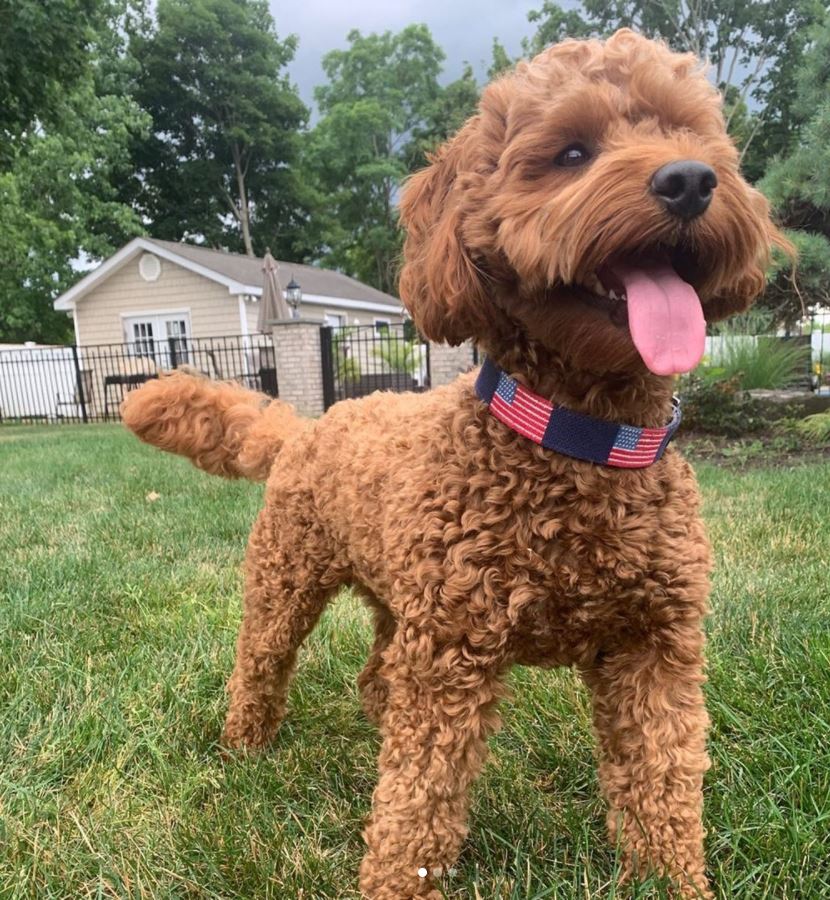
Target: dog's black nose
{"x": 685, "y": 187}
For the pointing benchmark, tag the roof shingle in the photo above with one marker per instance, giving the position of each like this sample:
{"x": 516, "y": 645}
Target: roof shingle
{"x": 248, "y": 270}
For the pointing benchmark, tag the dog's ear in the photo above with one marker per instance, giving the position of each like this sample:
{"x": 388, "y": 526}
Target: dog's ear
{"x": 440, "y": 284}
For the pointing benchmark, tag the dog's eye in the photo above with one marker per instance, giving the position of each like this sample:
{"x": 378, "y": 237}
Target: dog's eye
{"x": 573, "y": 155}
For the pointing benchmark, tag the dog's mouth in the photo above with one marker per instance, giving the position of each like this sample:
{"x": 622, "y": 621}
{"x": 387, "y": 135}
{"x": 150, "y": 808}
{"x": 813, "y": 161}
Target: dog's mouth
{"x": 653, "y": 294}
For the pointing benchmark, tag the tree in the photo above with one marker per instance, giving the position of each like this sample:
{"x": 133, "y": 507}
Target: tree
{"x": 44, "y": 51}
{"x": 377, "y": 110}
{"x": 220, "y": 163}
{"x": 500, "y": 60}
{"x": 793, "y": 293}
{"x": 443, "y": 116}
{"x": 59, "y": 204}
{"x": 752, "y": 46}
{"x": 798, "y": 186}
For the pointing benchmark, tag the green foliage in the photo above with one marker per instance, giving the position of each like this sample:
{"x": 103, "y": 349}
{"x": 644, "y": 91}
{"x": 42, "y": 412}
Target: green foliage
{"x": 398, "y": 354}
{"x": 798, "y": 184}
{"x": 815, "y": 428}
{"x": 381, "y": 110}
{"x": 753, "y": 359}
{"x": 221, "y": 161}
{"x": 500, "y": 61}
{"x": 718, "y": 406}
{"x": 554, "y": 23}
{"x": 346, "y": 366}
{"x": 768, "y": 363}
{"x": 45, "y": 50}
{"x": 59, "y": 196}
{"x": 715, "y": 398}
{"x": 442, "y": 117}
{"x": 793, "y": 292}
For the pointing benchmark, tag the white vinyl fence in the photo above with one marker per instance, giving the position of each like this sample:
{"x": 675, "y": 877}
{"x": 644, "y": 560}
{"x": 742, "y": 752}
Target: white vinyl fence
{"x": 37, "y": 382}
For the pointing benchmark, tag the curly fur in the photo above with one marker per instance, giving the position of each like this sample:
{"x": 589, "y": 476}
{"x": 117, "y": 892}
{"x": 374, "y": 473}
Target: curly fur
{"x": 223, "y": 428}
{"x": 476, "y": 548}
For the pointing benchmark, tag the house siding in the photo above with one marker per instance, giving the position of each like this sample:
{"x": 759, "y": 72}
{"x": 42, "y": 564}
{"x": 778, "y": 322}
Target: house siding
{"x": 213, "y": 311}
{"x": 316, "y": 312}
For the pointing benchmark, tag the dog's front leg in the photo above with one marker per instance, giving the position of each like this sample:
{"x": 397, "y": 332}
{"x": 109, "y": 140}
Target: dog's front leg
{"x": 651, "y": 724}
{"x": 440, "y": 710}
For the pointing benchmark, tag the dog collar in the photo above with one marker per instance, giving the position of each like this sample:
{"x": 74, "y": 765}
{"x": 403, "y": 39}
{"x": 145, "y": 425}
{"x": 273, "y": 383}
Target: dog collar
{"x": 568, "y": 432}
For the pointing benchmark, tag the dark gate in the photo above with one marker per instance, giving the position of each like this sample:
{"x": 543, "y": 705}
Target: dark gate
{"x": 361, "y": 359}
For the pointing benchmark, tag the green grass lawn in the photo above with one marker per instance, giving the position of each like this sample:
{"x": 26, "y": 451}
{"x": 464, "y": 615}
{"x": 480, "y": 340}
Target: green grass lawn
{"x": 118, "y": 618}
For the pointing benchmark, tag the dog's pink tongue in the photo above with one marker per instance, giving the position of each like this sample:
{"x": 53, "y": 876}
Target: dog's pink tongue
{"x": 665, "y": 318}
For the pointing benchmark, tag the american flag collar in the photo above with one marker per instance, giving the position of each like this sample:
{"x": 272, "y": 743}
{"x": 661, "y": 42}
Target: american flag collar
{"x": 568, "y": 432}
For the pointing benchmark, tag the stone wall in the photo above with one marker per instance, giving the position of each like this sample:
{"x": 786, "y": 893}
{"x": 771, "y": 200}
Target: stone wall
{"x": 447, "y": 363}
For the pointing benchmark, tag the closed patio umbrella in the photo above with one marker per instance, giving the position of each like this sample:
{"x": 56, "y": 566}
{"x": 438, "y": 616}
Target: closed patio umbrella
{"x": 272, "y": 304}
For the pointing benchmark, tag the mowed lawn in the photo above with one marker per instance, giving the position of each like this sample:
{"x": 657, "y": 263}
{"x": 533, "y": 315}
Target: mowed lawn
{"x": 118, "y": 617}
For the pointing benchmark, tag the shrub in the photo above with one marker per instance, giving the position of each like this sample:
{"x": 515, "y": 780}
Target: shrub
{"x": 815, "y": 428}
{"x": 718, "y": 406}
{"x": 758, "y": 362}
{"x": 398, "y": 354}
{"x": 347, "y": 368}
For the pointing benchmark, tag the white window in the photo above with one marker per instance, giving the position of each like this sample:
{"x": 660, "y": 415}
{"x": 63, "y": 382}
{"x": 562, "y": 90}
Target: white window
{"x": 141, "y": 339}
{"x": 177, "y": 337}
{"x": 163, "y": 337}
{"x": 334, "y": 320}
{"x": 382, "y": 325}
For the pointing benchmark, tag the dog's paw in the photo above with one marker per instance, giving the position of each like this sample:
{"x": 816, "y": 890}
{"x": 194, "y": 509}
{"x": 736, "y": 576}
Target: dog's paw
{"x": 244, "y": 738}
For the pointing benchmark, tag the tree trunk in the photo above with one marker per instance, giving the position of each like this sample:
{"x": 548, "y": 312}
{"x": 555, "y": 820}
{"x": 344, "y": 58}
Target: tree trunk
{"x": 244, "y": 212}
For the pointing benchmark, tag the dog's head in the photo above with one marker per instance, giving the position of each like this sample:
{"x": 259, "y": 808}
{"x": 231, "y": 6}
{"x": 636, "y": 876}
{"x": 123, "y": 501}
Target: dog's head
{"x": 593, "y": 205}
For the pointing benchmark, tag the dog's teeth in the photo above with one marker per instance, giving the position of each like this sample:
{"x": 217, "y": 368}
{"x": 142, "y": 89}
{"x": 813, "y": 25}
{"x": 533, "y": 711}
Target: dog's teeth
{"x": 593, "y": 283}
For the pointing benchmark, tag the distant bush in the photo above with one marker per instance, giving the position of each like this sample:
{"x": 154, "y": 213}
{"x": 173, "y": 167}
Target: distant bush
{"x": 399, "y": 355}
{"x": 718, "y": 406}
{"x": 754, "y": 360}
{"x": 815, "y": 428}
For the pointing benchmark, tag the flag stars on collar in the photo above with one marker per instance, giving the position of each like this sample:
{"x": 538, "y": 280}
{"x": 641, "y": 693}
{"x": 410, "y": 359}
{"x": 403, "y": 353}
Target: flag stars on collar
{"x": 571, "y": 433}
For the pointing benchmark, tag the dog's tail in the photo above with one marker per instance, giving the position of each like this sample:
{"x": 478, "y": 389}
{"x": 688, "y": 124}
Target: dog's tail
{"x": 221, "y": 427}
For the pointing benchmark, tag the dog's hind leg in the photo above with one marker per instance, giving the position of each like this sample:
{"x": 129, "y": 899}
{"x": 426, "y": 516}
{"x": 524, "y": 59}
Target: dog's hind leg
{"x": 651, "y": 724}
{"x": 373, "y": 687}
{"x": 289, "y": 580}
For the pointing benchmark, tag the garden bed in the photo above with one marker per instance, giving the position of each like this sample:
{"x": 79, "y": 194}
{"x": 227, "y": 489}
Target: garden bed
{"x": 765, "y": 449}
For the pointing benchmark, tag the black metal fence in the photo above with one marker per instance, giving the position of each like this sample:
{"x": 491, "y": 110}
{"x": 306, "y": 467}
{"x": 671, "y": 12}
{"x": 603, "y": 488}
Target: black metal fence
{"x": 87, "y": 384}
{"x": 360, "y": 359}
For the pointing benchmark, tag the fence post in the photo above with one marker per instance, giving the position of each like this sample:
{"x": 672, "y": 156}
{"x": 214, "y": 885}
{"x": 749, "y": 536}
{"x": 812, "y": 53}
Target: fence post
{"x": 298, "y": 352}
{"x": 79, "y": 384}
{"x": 447, "y": 363}
{"x": 327, "y": 363}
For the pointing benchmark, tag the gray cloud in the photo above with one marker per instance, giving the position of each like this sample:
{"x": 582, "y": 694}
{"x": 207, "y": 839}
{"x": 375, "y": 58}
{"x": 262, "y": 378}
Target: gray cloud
{"x": 463, "y": 28}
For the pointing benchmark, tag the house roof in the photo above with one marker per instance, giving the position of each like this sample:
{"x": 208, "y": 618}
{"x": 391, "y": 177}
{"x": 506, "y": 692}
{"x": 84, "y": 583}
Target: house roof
{"x": 241, "y": 274}
{"x": 312, "y": 279}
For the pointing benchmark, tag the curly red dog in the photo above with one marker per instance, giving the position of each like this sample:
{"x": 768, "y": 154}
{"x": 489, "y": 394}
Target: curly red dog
{"x": 581, "y": 228}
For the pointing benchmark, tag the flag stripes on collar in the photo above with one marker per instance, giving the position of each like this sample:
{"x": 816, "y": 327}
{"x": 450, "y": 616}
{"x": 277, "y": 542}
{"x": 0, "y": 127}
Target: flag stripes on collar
{"x": 568, "y": 432}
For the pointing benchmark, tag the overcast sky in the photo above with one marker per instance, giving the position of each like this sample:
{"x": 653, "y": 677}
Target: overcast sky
{"x": 463, "y": 28}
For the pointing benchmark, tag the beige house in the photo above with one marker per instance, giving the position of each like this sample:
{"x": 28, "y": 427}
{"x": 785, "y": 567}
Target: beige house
{"x": 155, "y": 305}
{"x": 155, "y": 290}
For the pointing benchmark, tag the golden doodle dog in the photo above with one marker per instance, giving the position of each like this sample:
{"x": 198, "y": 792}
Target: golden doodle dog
{"x": 581, "y": 228}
